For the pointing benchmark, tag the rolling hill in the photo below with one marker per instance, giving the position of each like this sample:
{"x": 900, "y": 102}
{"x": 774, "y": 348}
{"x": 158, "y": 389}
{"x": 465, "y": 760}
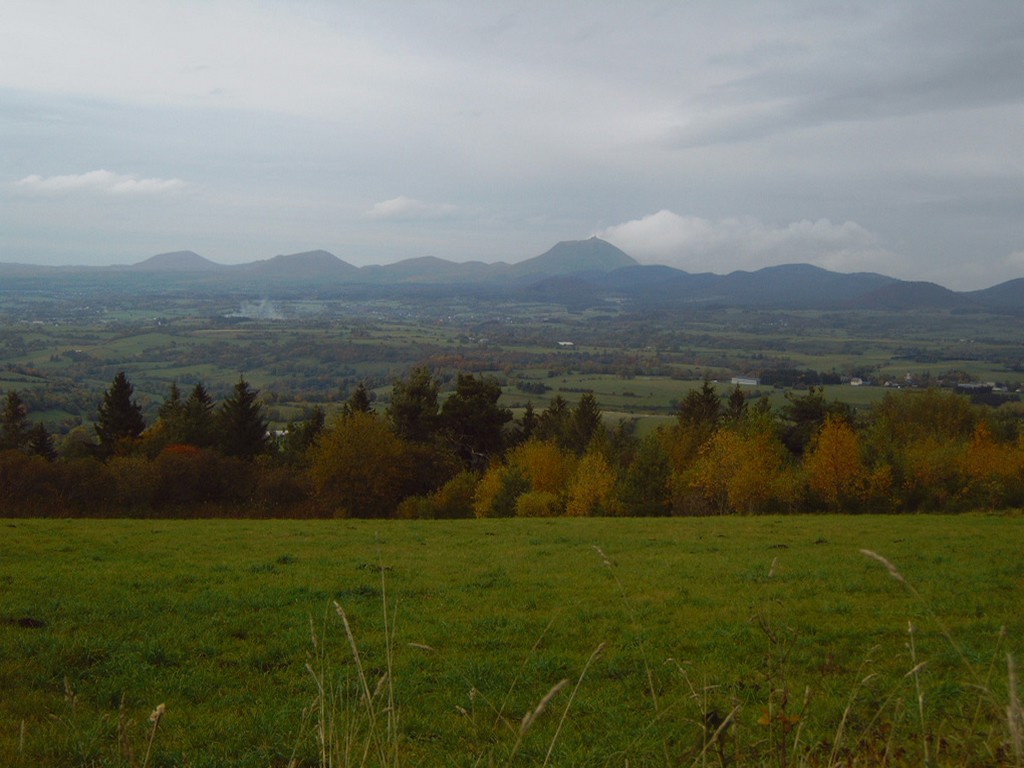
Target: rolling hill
{"x": 576, "y": 273}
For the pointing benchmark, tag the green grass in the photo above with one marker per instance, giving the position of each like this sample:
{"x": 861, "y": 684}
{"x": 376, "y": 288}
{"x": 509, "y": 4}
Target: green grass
{"x": 100, "y": 621}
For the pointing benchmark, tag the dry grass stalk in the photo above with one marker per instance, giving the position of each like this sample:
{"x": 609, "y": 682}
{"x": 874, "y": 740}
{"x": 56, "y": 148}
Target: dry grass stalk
{"x": 888, "y": 566}
{"x": 565, "y": 713}
{"x": 914, "y": 672}
{"x": 531, "y": 717}
{"x": 155, "y": 717}
{"x": 1014, "y": 716}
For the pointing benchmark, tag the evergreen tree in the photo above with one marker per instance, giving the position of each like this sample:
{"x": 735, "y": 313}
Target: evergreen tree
{"x": 807, "y": 414}
{"x": 414, "y": 408}
{"x": 241, "y": 426}
{"x": 298, "y": 438}
{"x": 527, "y": 423}
{"x": 473, "y": 420}
{"x": 358, "y": 402}
{"x": 583, "y": 424}
{"x": 197, "y": 427}
{"x": 737, "y": 406}
{"x": 119, "y": 417}
{"x": 40, "y": 443}
{"x": 172, "y": 416}
{"x": 701, "y": 408}
{"x": 645, "y": 487}
{"x": 14, "y": 424}
{"x": 553, "y": 419}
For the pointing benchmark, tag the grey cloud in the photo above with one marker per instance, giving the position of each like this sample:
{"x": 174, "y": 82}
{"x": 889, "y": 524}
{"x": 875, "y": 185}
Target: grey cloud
{"x": 935, "y": 58}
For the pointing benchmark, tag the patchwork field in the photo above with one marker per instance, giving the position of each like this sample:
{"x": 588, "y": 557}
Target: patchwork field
{"x": 712, "y": 641}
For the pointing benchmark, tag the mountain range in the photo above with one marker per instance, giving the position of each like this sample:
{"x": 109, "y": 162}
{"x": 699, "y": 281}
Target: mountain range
{"x": 576, "y": 273}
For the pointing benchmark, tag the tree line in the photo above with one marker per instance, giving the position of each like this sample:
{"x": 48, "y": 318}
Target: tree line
{"x": 461, "y": 454}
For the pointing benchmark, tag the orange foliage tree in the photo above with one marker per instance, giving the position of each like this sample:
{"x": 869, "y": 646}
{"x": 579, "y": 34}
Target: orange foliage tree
{"x": 742, "y": 470}
{"x": 835, "y": 472}
{"x": 992, "y": 470}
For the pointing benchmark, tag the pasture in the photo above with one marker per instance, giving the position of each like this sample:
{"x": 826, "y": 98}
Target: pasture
{"x": 709, "y": 641}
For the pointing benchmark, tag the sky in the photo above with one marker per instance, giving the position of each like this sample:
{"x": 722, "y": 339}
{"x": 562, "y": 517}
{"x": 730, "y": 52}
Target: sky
{"x": 708, "y": 135}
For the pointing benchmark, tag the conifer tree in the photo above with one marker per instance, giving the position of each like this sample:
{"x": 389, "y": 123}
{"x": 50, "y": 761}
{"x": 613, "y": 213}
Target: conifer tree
{"x": 172, "y": 415}
{"x": 119, "y": 417}
{"x": 40, "y": 443}
{"x": 197, "y": 426}
{"x": 553, "y": 419}
{"x": 358, "y": 402}
{"x": 701, "y": 409}
{"x": 14, "y": 424}
{"x": 241, "y": 426}
{"x": 583, "y": 424}
{"x": 414, "y": 407}
{"x": 299, "y": 437}
{"x": 473, "y": 419}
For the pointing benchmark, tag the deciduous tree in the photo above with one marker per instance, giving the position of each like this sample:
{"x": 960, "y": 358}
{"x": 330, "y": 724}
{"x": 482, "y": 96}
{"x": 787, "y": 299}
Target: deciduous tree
{"x": 358, "y": 467}
{"x": 592, "y": 487}
{"x": 833, "y": 465}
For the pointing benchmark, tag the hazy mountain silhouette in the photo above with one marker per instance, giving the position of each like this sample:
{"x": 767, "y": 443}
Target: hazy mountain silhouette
{"x": 575, "y": 273}
{"x": 571, "y": 256}
{"x": 177, "y": 261}
{"x": 308, "y": 265}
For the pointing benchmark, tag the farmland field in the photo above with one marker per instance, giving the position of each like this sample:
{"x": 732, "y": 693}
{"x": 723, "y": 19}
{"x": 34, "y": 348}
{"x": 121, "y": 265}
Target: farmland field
{"x": 778, "y": 634}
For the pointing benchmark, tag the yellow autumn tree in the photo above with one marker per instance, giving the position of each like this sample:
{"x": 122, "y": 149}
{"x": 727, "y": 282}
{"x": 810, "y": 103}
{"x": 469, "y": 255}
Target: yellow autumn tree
{"x": 487, "y": 490}
{"x": 833, "y": 465}
{"x": 546, "y": 466}
{"x": 741, "y": 470}
{"x": 991, "y": 470}
{"x": 592, "y": 487}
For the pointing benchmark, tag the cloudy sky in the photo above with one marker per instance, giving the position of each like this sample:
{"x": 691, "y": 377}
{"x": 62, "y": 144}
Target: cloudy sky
{"x": 712, "y": 136}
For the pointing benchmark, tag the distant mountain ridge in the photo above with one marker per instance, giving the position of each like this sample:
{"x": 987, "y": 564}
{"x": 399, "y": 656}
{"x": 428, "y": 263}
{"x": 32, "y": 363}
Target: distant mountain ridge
{"x": 177, "y": 261}
{"x": 307, "y": 265}
{"x": 576, "y": 273}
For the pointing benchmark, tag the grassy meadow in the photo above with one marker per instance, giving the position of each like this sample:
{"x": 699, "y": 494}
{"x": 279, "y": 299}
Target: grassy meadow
{"x": 707, "y": 641}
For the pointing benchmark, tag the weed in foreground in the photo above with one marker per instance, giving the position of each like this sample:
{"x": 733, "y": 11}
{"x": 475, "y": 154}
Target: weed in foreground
{"x": 361, "y": 729}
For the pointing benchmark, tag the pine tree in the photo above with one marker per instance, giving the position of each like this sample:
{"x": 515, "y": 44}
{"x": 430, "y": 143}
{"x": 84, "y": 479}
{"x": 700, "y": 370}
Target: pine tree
{"x": 172, "y": 415}
{"x": 583, "y": 424}
{"x": 737, "y": 405}
{"x": 119, "y": 417}
{"x": 14, "y": 424}
{"x": 197, "y": 419}
{"x": 552, "y": 422}
{"x": 359, "y": 402}
{"x": 241, "y": 427}
{"x": 645, "y": 488}
{"x": 474, "y": 421}
{"x": 701, "y": 409}
{"x": 40, "y": 443}
{"x": 414, "y": 407}
{"x": 299, "y": 437}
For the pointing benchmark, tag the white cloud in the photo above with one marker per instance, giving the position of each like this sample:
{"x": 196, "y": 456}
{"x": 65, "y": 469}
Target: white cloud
{"x": 697, "y": 244}
{"x": 101, "y": 181}
{"x": 1015, "y": 261}
{"x": 407, "y": 208}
